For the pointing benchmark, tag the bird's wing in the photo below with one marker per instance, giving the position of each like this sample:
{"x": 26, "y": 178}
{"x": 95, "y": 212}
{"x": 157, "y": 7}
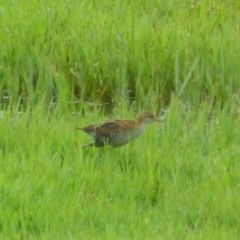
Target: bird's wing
{"x": 106, "y": 128}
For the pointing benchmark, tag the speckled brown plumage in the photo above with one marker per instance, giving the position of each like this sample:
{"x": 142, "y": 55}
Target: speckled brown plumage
{"x": 117, "y": 133}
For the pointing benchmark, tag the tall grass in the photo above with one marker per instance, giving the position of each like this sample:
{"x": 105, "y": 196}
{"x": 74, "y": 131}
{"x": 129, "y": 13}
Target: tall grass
{"x": 106, "y": 51}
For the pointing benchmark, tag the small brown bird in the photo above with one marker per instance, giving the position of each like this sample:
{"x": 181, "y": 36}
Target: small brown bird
{"x": 117, "y": 133}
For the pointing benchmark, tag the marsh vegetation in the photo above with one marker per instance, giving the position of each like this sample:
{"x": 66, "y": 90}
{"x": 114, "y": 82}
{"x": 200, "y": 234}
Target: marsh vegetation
{"x": 66, "y": 64}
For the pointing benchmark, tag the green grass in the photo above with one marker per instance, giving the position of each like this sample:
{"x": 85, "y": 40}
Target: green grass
{"x": 180, "y": 180}
{"x": 65, "y": 64}
{"x": 102, "y": 51}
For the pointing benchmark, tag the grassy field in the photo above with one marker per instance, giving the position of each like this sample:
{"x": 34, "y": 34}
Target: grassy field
{"x": 66, "y": 64}
{"x": 180, "y": 180}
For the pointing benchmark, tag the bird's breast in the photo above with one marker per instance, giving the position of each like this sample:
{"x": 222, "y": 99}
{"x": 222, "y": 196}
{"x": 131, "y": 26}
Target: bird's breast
{"x": 122, "y": 137}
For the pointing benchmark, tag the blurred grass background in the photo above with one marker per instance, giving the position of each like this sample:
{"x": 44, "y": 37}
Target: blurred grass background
{"x": 110, "y": 51}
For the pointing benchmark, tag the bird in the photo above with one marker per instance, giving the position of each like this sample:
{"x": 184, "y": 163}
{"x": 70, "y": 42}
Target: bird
{"x": 117, "y": 133}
